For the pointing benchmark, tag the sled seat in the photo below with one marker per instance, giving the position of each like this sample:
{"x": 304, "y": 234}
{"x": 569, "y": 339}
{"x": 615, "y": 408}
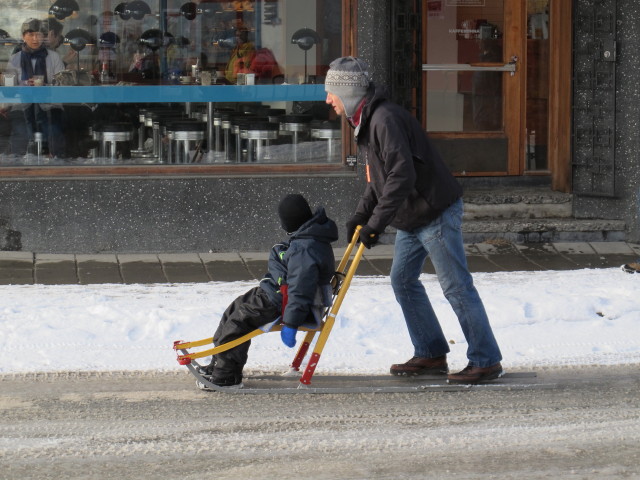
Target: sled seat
{"x": 340, "y": 283}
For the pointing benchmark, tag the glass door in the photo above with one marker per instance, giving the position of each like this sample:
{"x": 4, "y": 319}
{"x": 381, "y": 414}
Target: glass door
{"x": 473, "y": 82}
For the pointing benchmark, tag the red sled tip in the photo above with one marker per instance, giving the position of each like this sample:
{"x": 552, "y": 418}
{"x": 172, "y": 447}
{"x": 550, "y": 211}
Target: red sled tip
{"x": 177, "y": 344}
{"x": 182, "y": 360}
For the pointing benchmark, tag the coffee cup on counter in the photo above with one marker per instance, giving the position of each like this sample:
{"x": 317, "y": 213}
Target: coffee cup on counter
{"x": 8, "y": 79}
{"x": 205, "y": 78}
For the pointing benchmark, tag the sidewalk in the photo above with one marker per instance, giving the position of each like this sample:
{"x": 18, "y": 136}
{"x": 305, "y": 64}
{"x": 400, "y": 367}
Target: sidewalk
{"x": 34, "y": 268}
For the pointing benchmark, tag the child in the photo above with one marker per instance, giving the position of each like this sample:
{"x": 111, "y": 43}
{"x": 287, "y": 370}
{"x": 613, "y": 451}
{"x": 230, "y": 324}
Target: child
{"x": 300, "y": 269}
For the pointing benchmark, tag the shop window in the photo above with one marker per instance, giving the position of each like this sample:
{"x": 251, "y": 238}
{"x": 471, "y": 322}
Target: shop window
{"x": 167, "y": 82}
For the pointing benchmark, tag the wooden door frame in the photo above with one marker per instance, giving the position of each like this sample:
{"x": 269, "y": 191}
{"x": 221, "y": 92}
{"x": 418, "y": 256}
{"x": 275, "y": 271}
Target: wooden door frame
{"x": 515, "y": 85}
{"x": 560, "y": 93}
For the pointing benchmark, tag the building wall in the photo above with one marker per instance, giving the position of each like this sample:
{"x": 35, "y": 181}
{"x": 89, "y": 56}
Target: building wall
{"x": 162, "y": 215}
{"x": 374, "y": 38}
{"x": 625, "y": 203}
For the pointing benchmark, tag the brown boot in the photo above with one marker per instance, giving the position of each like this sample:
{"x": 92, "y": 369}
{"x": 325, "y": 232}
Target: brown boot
{"x": 472, "y": 375}
{"x": 633, "y": 267}
{"x": 421, "y": 366}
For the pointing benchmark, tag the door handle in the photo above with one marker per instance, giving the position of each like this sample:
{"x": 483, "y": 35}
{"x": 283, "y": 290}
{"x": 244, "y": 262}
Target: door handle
{"x": 472, "y": 67}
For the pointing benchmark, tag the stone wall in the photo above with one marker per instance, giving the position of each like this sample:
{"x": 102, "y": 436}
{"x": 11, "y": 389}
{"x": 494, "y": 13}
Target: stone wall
{"x": 161, "y": 215}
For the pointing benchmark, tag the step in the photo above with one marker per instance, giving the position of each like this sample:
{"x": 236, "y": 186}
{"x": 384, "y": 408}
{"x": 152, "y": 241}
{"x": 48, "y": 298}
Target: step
{"x": 524, "y": 203}
{"x": 544, "y": 230}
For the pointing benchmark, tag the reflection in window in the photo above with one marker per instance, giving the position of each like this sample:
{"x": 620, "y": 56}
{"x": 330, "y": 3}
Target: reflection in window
{"x": 202, "y": 43}
{"x": 465, "y": 101}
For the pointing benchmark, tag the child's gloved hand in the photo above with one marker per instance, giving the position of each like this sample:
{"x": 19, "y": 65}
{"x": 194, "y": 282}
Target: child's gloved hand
{"x": 288, "y": 336}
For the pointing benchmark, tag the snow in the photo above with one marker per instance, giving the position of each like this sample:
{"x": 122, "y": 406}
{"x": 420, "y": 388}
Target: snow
{"x": 552, "y": 318}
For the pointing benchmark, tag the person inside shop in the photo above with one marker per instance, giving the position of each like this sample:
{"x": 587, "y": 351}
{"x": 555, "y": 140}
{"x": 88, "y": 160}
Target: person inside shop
{"x": 242, "y": 55}
{"x": 54, "y": 40}
{"x": 266, "y": 68}
{"x": 410, "y": 188}
{"x": 36, "y": 65}
{"x": 296, "y": 287}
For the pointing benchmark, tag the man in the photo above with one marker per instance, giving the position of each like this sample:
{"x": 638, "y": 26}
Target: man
{"x": 54, "y": 39}
{"x": 35, "y": 60}
{"x": 410, "y": 188}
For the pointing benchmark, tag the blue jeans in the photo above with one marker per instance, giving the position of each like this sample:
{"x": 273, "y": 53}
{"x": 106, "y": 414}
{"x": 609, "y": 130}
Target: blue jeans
{"x": 442, "y": 241}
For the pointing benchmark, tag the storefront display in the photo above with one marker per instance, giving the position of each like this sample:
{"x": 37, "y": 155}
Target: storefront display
{"x": 167, "y": 82}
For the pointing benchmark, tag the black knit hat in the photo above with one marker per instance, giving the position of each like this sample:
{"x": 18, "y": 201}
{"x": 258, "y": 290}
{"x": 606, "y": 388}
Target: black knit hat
{"x": 293, "y": 211}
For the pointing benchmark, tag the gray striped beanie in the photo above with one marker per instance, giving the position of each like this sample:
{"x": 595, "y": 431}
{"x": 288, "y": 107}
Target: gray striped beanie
{"x": 348, "y": 79}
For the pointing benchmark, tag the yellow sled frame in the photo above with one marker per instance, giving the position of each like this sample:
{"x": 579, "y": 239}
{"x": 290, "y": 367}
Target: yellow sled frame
{"x": 342, "y": 280}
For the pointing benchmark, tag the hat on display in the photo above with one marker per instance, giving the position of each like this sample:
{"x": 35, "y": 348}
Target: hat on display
{"x": 154, "y": 39}
{"x": 78, "y": 39}
{"x": 293, "y": 211}
{"x": 122, "y": 11}
{"x": 108, "y": 40}
{"x": 348, "y": 79}
{"x": 138, "y": 9}
{"x": 189, "y": 10}
{"x": 62, "y": 9}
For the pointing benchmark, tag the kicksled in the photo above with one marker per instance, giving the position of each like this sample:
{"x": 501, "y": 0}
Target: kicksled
{"x": 299, "y": 381}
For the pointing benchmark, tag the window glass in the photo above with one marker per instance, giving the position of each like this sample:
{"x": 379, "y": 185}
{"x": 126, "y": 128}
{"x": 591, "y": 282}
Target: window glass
{"x": 465, "y": 33}
{"x": 537, "y": 85}
{"x": 271, "y": 55}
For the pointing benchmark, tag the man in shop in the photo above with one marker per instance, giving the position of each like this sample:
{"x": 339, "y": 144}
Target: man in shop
{"x": 410, "y": 188}
{"x": 54, "y": 39}
{"x": 35, "y": 65}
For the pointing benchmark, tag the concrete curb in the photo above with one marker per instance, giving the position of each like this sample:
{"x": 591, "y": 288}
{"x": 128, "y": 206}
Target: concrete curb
{"x": 27, "y": 268}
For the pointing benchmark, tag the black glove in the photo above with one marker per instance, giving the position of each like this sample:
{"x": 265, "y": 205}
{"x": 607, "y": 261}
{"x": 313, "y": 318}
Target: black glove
{"x": 368, "y": 236}
{"x": 352, "y": 224}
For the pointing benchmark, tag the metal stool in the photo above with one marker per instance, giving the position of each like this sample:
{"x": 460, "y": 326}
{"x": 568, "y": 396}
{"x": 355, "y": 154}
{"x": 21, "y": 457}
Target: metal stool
{"x": 160, "y": 134}
{"x": 239, "y": 126}
{"x": 258, "y": 135}
{"x": 296, "y": 125}
{"x": 154, "y": 119}
{"x": 146, "y": 123}
{"x": 225, "y": 123}
{"x": 215, "y": 132}
{"x": 181, "y": 134}
{"x": 140, "y": 151}
{"x": 109, "y": 135}
{"x": 329, "y": 131}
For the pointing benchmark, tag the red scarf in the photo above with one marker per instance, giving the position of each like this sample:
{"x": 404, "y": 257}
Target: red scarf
{"x": 354, "y": 120}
